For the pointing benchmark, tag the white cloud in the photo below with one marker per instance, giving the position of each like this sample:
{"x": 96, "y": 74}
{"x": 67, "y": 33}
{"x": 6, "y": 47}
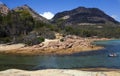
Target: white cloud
{"x": 114, "y": 16}
{"x": 48, "y": 15}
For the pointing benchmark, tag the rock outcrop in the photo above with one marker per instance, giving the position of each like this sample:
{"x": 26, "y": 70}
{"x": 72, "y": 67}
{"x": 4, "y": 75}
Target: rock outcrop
{"x": 4, "y": 9}
{"x": 67, "y": 45}
{"x": 58, "y": 72}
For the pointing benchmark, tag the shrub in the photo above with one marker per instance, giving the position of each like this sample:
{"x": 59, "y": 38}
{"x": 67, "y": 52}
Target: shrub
{"x": 5, "y": 40}
{"x": 62, "y": 40}
{"x": 40, "y": 39}
{"x": 32, "y": 39}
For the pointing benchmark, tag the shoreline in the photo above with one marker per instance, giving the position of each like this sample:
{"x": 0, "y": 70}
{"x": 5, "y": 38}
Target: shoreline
{"x": 58, "y": 72}
{"x": 58, "y": 52}
{"x": 71, "y": 45}
{"x": 97, "y": 69}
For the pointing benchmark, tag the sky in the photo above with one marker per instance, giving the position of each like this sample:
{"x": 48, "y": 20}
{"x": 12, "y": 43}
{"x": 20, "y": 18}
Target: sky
{"x": 48, "y": 8}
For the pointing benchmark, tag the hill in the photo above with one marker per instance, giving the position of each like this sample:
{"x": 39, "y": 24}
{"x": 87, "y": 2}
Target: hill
{"x": 23, "y": 25}
{"x": 83, "y": 16}
{"x": 32, "y": 12}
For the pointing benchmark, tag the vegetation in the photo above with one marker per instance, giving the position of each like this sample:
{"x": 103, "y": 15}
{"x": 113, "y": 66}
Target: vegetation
{"x": 33, "y": 39}
{"x": 93, "y": 30}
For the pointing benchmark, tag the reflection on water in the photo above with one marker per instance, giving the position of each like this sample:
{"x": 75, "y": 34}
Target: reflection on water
{"x": 79, "y": 60}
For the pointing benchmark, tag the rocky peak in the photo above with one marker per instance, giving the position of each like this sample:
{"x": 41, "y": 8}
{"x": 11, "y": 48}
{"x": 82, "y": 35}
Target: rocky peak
{"x": 80, "y": 9}
{"x": 4, "y": 9}
{"x": 32, "y": 12}
{"x": 24, "y": 7}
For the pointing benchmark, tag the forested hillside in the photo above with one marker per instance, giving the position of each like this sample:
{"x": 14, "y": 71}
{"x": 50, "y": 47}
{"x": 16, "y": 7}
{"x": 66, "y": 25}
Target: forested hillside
{"x": 16, "y": 26}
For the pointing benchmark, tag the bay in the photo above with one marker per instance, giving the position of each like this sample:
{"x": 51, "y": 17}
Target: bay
{"x": 94, "y": 59}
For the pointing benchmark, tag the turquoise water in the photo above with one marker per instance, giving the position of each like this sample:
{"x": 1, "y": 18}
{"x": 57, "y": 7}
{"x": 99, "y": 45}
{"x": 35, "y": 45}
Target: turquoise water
{"x": 80, "y": 60}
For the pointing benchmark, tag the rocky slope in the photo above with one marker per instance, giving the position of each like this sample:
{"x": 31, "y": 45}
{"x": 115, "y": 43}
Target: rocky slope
{"x": 4, "y": 9}
{"x": 32, "y": 12}
{"x": 83, "y": 16}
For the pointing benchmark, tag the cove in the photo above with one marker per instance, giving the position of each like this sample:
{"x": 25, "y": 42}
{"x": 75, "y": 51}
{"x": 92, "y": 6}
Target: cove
{"x": 94, "y": 59}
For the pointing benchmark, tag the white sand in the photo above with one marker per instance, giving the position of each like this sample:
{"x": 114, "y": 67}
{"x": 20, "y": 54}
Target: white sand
{"x": 57, "y": 72}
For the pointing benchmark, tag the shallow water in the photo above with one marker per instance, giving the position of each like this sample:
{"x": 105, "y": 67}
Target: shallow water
{"x": 80, "y": 60}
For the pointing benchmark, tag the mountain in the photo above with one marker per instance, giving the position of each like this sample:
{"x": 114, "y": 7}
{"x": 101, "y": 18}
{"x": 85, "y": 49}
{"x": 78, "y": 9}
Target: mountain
{"x": 4, "y": 9}
{"x": 32, "y": 12}
{"x": 83, "y": 16}
{"x": 23, "y": 24}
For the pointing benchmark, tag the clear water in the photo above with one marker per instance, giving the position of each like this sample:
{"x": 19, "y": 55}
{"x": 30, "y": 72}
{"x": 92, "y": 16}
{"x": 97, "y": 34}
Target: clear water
{"x": 80, "y": 60}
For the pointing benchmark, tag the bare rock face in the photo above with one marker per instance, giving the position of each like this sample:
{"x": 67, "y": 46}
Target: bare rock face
{"x": 4, "y": 9}
{"x": 83, "y": 16}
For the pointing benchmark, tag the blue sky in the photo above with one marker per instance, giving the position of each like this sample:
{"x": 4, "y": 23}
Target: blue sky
{"x": 50, "y": 7}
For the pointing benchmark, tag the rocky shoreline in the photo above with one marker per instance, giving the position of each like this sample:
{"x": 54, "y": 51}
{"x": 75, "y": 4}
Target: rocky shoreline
{"x": 64, "y": 46}
{"x": 58, "y": 72}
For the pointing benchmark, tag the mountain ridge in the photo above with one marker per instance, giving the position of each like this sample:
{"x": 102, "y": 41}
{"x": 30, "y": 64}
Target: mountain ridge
{"x": 77, "y": 16}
